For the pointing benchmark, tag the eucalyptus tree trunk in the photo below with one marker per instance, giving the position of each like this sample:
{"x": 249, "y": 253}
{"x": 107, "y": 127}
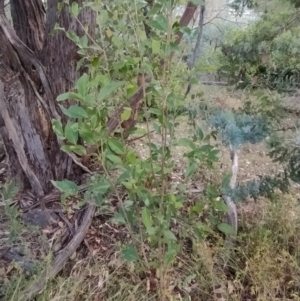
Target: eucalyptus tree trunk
{"x": 34, "y": 68}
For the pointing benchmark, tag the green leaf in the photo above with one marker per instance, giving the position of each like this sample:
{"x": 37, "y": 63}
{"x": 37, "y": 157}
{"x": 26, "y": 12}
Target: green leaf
{"x": 143, "y": 37}
{"x": 88, "y": 137}
{"x": 155, "y": 46}
{"x": 123, "y": 177}
{"x": 211, "y": 191}
{"x": 167, "y": 48}
{"x": 118, "y": 218}
{"x": 70, "y": 133}
{"x": 226, "y": 229}
{"x": 82, "y": 84}
{"x": 131, "y": 89}
{"x": 75, "y": 112}
{"x": 101, "y": 186}
{"x": 72, "y": 36}
{"x": 197, "y": 208}
{"x": 203, "y": 227}
{"x": 206, "y": 148}
{"x": 83, "y": 41}
{"x": 89, "y": 100}
{"x": 95, "y": 47}
{"x": 114, "y": 159}
{"x": 186, "y": 142}
{"x": 131, "y": 157}
{"x": 157, "y": 128}
{"x": 75, "y": 9}
{"x": 186, "y": 30}
{"x": 75, "y": 96}
{"x": 126, "y": 114}
{"x": 213, "y": 219}
{"x": 95, "y": 62}
{"x": 58, "y": 129}
{"x": 214, "y": 153}
{"x": 66, "y": 148}
{"x": 94, "y": 121}
{"x": 116, "y": 146}
{"x": 108, "y": 90}
{"x": 136, "y": 131}
{"x": 63, "y": 96}
{"x": 170, "y": 256}
{"x": 221, "y": 206}
{"x": 191, "y": 169}
{"x": 182, "y": 187}
{"x": 99, "y": 199}
{"x": 155, "y": 9}
{"x": 146, "y": 218}
{"x": 77, "y": 149}
{"x": 159, "y": 22}
{"x": 129, "y": 184}
{"x": 169, "y": 125}
{"x": 199, "y": 134}
{"x": 64, "y": 110}
{"x": 66, "y": 186}
{"x": 117, "y": 41}
{"x": 169, "y": 235}
{"x": 128, "y": 204}
{"x": 176, "y": 26}
{"x": 129, "y": 253}
{"x": 155, "y": 111}
{"x": 80, "y": 63}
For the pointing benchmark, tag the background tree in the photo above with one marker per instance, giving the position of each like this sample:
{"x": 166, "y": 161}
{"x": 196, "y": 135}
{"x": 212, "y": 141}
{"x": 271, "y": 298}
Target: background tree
{"x": 264, "y": 55}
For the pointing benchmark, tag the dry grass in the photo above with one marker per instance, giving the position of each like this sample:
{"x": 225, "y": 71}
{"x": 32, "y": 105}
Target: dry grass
{"x": 265, "y": 266}
{"x": 266, "y": 262}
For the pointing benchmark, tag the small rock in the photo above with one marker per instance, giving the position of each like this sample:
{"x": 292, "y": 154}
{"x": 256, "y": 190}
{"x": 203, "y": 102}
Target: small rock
{"x": 40, "y": 218}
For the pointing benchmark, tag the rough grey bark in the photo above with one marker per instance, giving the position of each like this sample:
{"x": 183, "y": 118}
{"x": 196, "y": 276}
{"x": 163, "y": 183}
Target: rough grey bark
{"x": 29, "y": 22}
{"x": 20, "y": 110}
{"x": 34, "y": 69}
{"x": 59, "y": 53}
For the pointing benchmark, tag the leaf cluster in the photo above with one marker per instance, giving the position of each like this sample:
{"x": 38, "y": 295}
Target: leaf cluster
{"x": 237, "y": 129}
{"x": 265, "y": 186}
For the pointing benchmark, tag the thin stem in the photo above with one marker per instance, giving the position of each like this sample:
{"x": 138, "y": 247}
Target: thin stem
{"x": 135, "y": 23}
{"x": 91, "y": 38}
{"x": 128, "y": 225}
